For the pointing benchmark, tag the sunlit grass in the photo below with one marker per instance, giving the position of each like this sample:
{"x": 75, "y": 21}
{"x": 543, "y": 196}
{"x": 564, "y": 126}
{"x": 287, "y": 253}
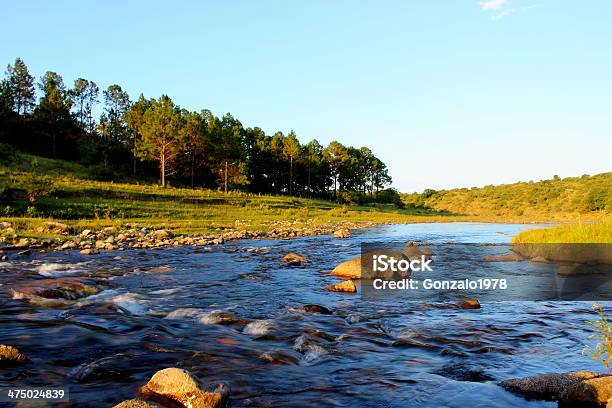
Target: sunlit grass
{"x": 596, "y": 233}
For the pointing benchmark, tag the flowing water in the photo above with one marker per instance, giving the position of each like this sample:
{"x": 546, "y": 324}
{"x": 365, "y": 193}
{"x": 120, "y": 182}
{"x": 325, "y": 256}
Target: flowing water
{"x": 163, "y": 308}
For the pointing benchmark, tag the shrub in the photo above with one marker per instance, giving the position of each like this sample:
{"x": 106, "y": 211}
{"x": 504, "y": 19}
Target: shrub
{"x": 602, "y": 351}
{"x": 390, "y": 196}
{"x": 8, "y": 154}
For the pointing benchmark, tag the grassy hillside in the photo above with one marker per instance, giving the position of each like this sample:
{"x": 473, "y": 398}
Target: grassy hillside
{"x": 573, "y": 198}
{"x": 75, "y": 198}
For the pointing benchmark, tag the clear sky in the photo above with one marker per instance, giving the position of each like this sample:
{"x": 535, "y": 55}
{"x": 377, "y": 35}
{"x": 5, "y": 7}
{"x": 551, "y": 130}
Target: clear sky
{"x": 447, "y": 93}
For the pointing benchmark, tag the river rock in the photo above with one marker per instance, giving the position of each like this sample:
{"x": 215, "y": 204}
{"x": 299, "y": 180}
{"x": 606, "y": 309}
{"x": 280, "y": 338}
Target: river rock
{"x": 342, "y": 233}
{"x": 54, "y": 228}
{"x": 137, "y": 403}
{"x": 316, "y": 309}
{"x": 90, "y": 251}
{"x": 349, "y": 269}
{"x": 163, "y": 234}
{"x": 294, "y": 259}
{"x": 573, "y": 387}
{"x": 469, "y": 304}
{"x": 55, "y": 289}
{"x": 346, "y": 286}
{"x": 511, "y": 257}
{"x": 180, "y": 386}
{"x": 10, "y": 355}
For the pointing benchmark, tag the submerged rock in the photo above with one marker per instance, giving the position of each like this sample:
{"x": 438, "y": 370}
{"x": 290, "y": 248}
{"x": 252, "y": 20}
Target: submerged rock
{"x": 177, "y": 385}
{"x": 511, "y": 257}
{"x": 294, "y": 259}
{"x": 10, "y": 355}
{"x": 346, "y": 286}
{"x": 349, "y": 269}
{"x": 220, "y": 317}
{"x": 279, "y": 357}
{"x": 316, "y": 309}
{"x": 61, "y": 289}
{"x": 572, "y": 387}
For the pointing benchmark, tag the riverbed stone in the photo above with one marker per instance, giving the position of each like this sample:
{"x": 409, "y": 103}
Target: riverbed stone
{"x": 349, "y": 269}
{"x": 342, "y": 233}
{"x": 181, "y": 386}
{"x": 10, "y": 355}
{"x": 346, "y": 286}
{"x": 469, "y": 304}
{"x": 510, "y": 257}
{"x": 572, "y": 387}
{"x": 294, "y": 259}
{"x": 90, "y": 251}
{"x": 55, "y": 288}
{"x": 317, "y": 309}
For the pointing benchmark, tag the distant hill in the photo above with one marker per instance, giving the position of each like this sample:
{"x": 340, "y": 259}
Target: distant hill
{"x": 555, "y": 198}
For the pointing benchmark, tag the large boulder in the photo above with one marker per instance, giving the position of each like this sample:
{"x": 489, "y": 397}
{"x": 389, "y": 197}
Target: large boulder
{"x": 10, "y": 355}
{"x": 573, "y": 387}
{"x": 178, "y": 385}
{"x": 349, "y": 269}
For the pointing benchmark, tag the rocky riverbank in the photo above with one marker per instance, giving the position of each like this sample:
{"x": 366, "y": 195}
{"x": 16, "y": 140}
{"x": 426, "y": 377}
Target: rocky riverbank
{"x": 141, "y": 236}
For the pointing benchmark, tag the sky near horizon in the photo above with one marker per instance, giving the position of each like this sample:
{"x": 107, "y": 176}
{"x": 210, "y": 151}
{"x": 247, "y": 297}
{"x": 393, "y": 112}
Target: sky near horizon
{"x": 447, "y": 93}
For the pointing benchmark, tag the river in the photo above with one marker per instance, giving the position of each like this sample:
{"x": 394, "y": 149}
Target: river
{"x": 159, "y": 309}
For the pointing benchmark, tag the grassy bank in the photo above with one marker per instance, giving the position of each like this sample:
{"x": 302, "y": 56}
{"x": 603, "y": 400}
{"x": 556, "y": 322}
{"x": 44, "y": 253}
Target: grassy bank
{"x": 75, "y": 198}
{"x": 597, "y": 233}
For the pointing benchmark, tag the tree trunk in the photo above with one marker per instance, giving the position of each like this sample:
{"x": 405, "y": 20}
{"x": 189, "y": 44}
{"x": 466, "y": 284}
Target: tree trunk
{"x": 163, "y": 170}
{"x": 192, "y": 164}
{"x": 291, "y": 175}
{"x": 225, "y": 177}
{"x": 309, "y": 192}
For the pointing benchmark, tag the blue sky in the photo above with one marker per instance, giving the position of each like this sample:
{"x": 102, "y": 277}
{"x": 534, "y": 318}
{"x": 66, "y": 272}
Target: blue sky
{"x": 447, "y": 93}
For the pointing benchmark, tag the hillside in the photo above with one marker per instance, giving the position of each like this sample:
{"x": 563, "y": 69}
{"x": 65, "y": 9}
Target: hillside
{"x": 557, "y": 199}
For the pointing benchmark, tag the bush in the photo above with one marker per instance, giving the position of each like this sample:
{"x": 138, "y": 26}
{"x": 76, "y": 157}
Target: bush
{"x": 101, "y": 172}
{"x": 8, "y": 154}
{"x": 390, "y": 196}
{"x": 602, "y": 351}
{"x": 37, "y": 187}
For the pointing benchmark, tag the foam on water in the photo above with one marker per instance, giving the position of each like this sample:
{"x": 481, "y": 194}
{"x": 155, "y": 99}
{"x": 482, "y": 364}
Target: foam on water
{"x": 258, "y": 328}
{"x": 132, "y": 302}
{"x": 187, "y": 312}
{"x": 53, "y": 270}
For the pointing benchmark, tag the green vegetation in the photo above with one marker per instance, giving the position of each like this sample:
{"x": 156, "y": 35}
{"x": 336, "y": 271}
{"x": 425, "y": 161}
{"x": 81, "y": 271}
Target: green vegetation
{"x": 603, "y": 335}
{"x": 572, "y": 198}
{"x": 594, "y": 233}
{"x": 82, "y": 202}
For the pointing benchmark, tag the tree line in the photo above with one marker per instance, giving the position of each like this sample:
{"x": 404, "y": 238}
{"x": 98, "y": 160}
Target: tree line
{"x": 147, "y": 137}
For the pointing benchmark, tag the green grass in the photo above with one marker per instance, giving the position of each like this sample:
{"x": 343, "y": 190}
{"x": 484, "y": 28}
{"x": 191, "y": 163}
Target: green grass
{"x": 82, "y": 202}
{"x": 85, "y": 203}
{"x": 595, "y": 233}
